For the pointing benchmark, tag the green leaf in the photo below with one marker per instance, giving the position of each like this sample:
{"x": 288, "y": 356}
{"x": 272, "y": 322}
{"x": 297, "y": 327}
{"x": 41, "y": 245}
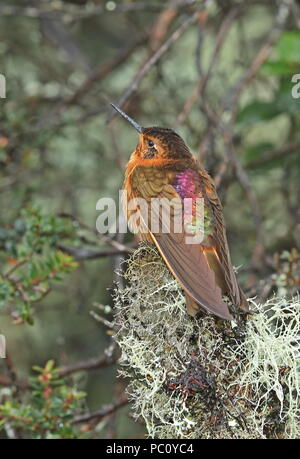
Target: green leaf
{"x": 287, "y": 52}
{"x": 288, "y": 47}
{"x": 49, "y": 365}
{"x": 279, "y": 68}
{"x": 257, "y": 111}
{"x": 257, "y": 150}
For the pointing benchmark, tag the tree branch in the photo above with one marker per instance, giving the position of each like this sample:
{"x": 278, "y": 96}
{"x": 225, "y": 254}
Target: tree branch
{"x": 86, "y": 365}
{"x": 86, "y": 254}
{"x": 103, "y": 412}
{"x": 289, "y": 149}
{"x": 152, "y": 61}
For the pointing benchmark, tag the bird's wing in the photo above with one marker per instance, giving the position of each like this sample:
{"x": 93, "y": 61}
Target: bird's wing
{"x": 218, "y": 253}
{"x": 187, "y": 261}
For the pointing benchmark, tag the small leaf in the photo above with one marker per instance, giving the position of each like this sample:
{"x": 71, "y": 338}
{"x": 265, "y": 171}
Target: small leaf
{"x": 49, "y": 365}
{"x": 257, "y": 111}
{"x": 257, "y": 151}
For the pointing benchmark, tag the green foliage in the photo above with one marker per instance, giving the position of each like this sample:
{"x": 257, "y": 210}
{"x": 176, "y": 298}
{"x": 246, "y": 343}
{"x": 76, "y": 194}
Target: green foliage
{"x": 33, "y": 231}
{"x": 32, "y": 260}
{"x": 281, "y": 102}
{"x": 257, "y": 150}
{"x": 281, "y": 66}
{"x": 49, "y": 410}
{"x": 256, "y": 112}
{"x": 287, "y": 55}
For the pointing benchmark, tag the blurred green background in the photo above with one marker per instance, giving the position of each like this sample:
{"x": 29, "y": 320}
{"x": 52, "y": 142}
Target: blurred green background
{"x": 64, "y": 61}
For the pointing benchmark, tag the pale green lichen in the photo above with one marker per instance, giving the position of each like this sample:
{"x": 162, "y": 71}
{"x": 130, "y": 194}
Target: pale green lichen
{"x": 204, "y": 377}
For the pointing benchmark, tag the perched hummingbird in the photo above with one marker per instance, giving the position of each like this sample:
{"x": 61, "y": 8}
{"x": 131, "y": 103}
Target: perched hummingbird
{"x": 162, "y": 166}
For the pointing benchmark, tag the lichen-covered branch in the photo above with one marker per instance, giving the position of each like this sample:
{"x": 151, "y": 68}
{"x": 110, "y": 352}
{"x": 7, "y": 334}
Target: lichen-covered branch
{"x": 204, "y": 377}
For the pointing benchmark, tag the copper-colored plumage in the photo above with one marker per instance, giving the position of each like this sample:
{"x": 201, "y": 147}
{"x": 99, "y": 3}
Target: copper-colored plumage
{"x": 163, "y": 167}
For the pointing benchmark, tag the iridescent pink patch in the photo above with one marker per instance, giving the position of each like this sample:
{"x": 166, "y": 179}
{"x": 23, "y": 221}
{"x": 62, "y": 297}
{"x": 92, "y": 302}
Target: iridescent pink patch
{"x": 186, "y": 184}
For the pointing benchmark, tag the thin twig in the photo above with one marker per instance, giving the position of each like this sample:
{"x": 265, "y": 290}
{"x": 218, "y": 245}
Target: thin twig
{"x": 86, "y": 254}
{"x": 73, "y": 12}
{"x": 103, "y": 412}
{"x": 289, "y": 149}
{"x": 103, "y": 237}
{"x": 152, "y": 61}
{"x": 264, "y": 52}
{"x": 200, "y": 88}
{"x": 104, "y": 70}
{"x": 103, "y": 361}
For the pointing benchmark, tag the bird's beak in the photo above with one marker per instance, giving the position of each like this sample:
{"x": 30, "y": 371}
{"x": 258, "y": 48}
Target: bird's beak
{"x": 137, "y": 126}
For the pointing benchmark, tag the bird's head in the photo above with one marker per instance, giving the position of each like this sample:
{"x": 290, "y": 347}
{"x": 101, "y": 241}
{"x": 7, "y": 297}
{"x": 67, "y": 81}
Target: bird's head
{"x": 157, "y": 142}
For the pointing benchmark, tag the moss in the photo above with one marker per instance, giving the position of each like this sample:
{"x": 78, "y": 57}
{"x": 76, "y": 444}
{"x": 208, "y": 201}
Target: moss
{"x": 204, "y": 377}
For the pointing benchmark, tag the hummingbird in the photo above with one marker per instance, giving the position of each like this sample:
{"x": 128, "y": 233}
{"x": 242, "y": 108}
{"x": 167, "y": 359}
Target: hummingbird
{"x": 162, "y": 166}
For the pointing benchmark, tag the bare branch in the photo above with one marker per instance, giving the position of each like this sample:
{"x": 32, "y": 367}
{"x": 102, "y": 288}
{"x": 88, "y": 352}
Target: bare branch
{"x": 73, "y": 12}
{"x": 103, "y": 361}
{"x": 200, "y": 88}
{"x": 152, "y": 61}
{"x": 232, "y": 99}
{"x": 86, "y": 254}
{"x": 289, "y": 149}
{"x": 104, "y": 70}
{"x": 103, "y": 412}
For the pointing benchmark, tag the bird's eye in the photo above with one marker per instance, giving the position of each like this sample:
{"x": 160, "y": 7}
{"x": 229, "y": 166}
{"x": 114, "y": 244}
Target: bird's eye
{"x": 150, "y": 143}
